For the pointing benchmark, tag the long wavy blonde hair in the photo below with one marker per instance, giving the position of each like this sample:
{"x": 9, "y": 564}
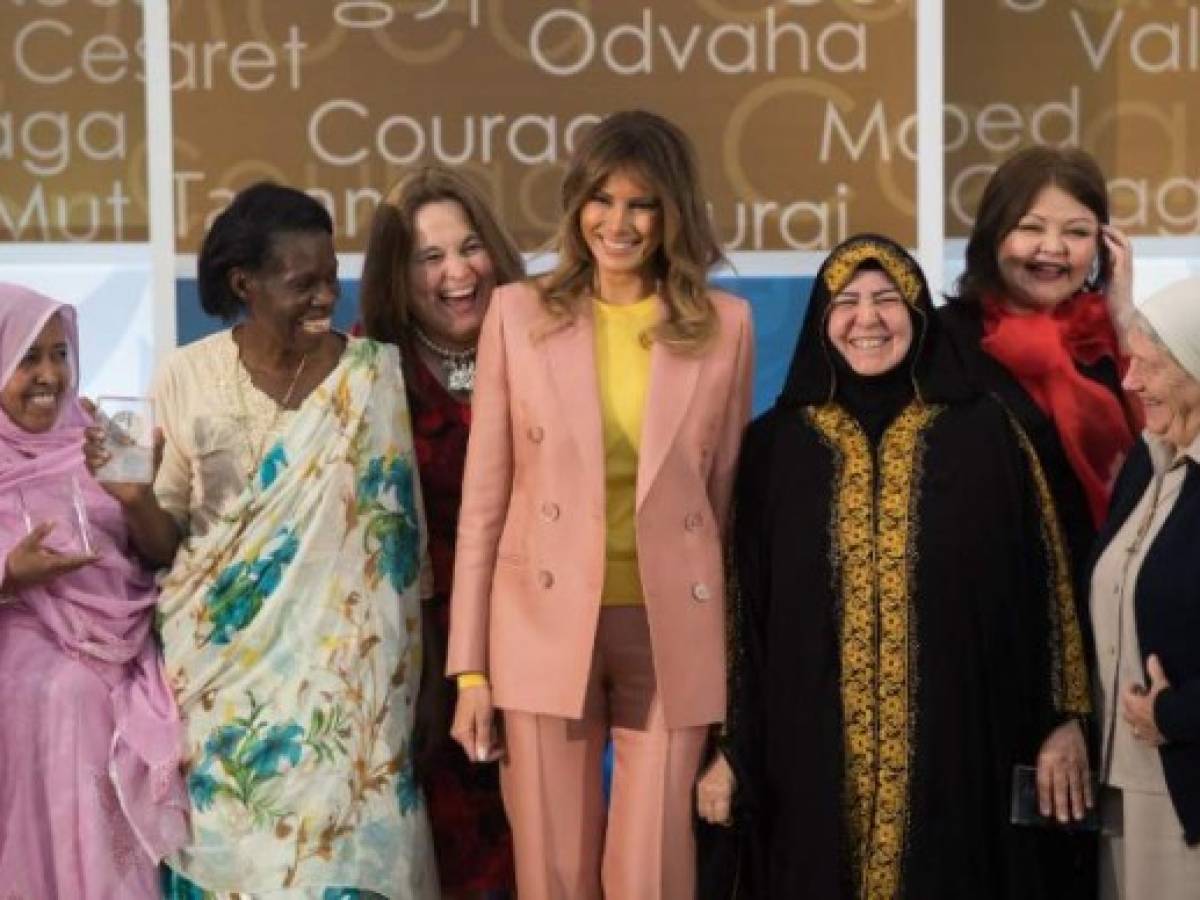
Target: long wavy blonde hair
{"x": 658, "y": 153}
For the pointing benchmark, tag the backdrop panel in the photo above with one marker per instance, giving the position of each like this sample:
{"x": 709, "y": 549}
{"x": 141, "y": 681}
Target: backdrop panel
{"x": 72, "y": 121}
{"x": 801, "y": 111}
{"x": 1118, "y": 78}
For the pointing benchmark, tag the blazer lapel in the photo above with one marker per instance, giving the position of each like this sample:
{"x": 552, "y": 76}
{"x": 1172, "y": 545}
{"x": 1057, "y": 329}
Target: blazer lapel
{"x": 571, "y": 370}
{"x": 672, "y": 382}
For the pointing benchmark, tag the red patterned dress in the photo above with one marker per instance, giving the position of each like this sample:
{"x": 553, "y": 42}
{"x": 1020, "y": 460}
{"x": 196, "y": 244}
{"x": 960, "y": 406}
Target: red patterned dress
{"x": 470, "y": 831}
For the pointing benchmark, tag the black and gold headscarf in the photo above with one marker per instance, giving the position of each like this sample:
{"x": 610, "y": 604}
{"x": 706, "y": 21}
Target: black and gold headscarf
{"x": 935, "y": 371}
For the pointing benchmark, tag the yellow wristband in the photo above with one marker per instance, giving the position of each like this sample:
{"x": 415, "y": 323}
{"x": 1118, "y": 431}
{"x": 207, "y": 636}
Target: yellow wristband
{"x": 471, "y": 679}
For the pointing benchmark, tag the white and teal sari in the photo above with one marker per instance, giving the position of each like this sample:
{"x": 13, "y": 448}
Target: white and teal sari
{"x": 291, "y": 632}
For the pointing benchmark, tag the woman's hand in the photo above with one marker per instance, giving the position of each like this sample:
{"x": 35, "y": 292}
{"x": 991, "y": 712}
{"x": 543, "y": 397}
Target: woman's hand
{"x": 1064, "y": 788}
{"x": 153, "y": 532}
{"x": 1137, "y": 704}
{"x": 1119, "y": 275}
{"x": 96, "y": 455}
{"x": 474, "y": 724}
{"x": 30, "y": 563}
{"x": 714, "y": 791}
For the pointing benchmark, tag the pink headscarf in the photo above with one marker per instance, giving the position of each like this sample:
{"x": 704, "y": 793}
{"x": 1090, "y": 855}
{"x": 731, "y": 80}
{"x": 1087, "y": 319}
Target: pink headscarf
{"x": 23, "y": 315}
{"x": 102, "y": 612}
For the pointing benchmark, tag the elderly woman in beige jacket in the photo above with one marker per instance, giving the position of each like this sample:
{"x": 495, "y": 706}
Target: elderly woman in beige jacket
{"x": 1145, "y": 609}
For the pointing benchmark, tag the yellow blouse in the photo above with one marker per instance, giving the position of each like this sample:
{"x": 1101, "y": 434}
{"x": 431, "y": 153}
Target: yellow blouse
{"x": 623, "y": 373}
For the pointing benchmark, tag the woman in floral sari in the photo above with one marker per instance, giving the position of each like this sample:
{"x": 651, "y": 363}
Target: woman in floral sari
{"x": 288, "y": 509}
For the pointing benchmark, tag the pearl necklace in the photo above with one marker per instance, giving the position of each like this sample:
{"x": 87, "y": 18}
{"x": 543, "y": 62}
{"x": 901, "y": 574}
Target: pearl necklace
{"x": 458, "y": 365}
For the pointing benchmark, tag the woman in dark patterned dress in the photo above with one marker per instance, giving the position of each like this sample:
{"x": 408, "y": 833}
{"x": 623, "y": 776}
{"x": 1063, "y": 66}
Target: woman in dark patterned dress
{"x": 435, "y": 253}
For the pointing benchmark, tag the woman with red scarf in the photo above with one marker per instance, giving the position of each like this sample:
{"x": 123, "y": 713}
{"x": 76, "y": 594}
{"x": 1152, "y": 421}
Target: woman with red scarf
{"x": 1038, "y": 315}
{"x": 1039, "y": 312}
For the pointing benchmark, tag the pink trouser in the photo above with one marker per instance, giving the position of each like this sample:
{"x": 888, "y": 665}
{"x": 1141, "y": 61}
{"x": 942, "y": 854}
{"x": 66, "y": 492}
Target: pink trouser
{"x": 567, "y": 845}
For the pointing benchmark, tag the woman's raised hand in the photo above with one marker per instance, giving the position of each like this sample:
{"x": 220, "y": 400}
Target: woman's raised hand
{"x": 31, "y": 563}
{"x": 1119, "y": 275}
{"x": 96, "y": 454}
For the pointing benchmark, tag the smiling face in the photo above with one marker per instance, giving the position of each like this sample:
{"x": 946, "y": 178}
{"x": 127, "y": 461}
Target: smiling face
{"x": 621, "y": 224}
{"x": 34, "y": 394}
{"x": 1048, "y": 255}
{"x": 293, "y": 296}
{"x": 869, "y": 324}
{"x": 1170, "y": 396}
{"x": 451, "y": 275}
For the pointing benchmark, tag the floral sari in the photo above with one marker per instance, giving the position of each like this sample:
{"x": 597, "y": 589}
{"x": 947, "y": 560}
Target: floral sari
{"x": 292, "y": 640}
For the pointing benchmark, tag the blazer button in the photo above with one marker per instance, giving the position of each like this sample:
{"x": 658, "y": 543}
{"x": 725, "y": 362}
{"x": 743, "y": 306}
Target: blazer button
{"x": 535, "y": 433}
{"x": 700, "y": 592}
{"x": 549, "y": 511}
{"x": 545, "y": 579}
{"x": 693, "y": 521}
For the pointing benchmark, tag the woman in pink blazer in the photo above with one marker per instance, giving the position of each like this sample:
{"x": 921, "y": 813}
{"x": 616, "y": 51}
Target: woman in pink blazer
{"x": 588, "y": 596}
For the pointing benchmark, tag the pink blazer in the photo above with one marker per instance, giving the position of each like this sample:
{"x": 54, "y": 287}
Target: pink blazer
{"x": 529, "y": 564}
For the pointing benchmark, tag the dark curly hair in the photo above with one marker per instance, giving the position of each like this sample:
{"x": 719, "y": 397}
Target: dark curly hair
{"x": 243, "y": 237}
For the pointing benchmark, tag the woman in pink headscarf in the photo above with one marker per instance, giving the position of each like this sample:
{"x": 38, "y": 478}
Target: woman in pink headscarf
{"x": 90, "y": 791}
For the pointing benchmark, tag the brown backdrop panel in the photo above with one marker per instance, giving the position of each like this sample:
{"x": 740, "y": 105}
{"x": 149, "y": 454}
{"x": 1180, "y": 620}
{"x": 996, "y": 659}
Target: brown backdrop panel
{"x": 1118, "y": 78}
{"x": 72, "y": 122}
{"x": 802, "y": 111}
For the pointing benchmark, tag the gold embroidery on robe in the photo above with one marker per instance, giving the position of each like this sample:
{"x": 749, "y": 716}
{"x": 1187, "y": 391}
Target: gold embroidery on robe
{"x": 874, "y": 558}
{"x": 1068, "y": 670}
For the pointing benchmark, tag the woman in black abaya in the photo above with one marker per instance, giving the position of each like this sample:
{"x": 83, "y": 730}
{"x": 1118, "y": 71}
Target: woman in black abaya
{"x": 906, "y": 631}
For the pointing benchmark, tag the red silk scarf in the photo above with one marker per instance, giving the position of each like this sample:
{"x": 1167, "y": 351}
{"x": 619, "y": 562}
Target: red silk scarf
{"x": 1043, "y": 351}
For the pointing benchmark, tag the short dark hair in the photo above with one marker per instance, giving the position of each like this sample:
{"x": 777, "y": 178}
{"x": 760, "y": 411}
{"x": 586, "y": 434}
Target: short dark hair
{"x": 1007, "y": 197}
{"x": 243, "y": 237}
